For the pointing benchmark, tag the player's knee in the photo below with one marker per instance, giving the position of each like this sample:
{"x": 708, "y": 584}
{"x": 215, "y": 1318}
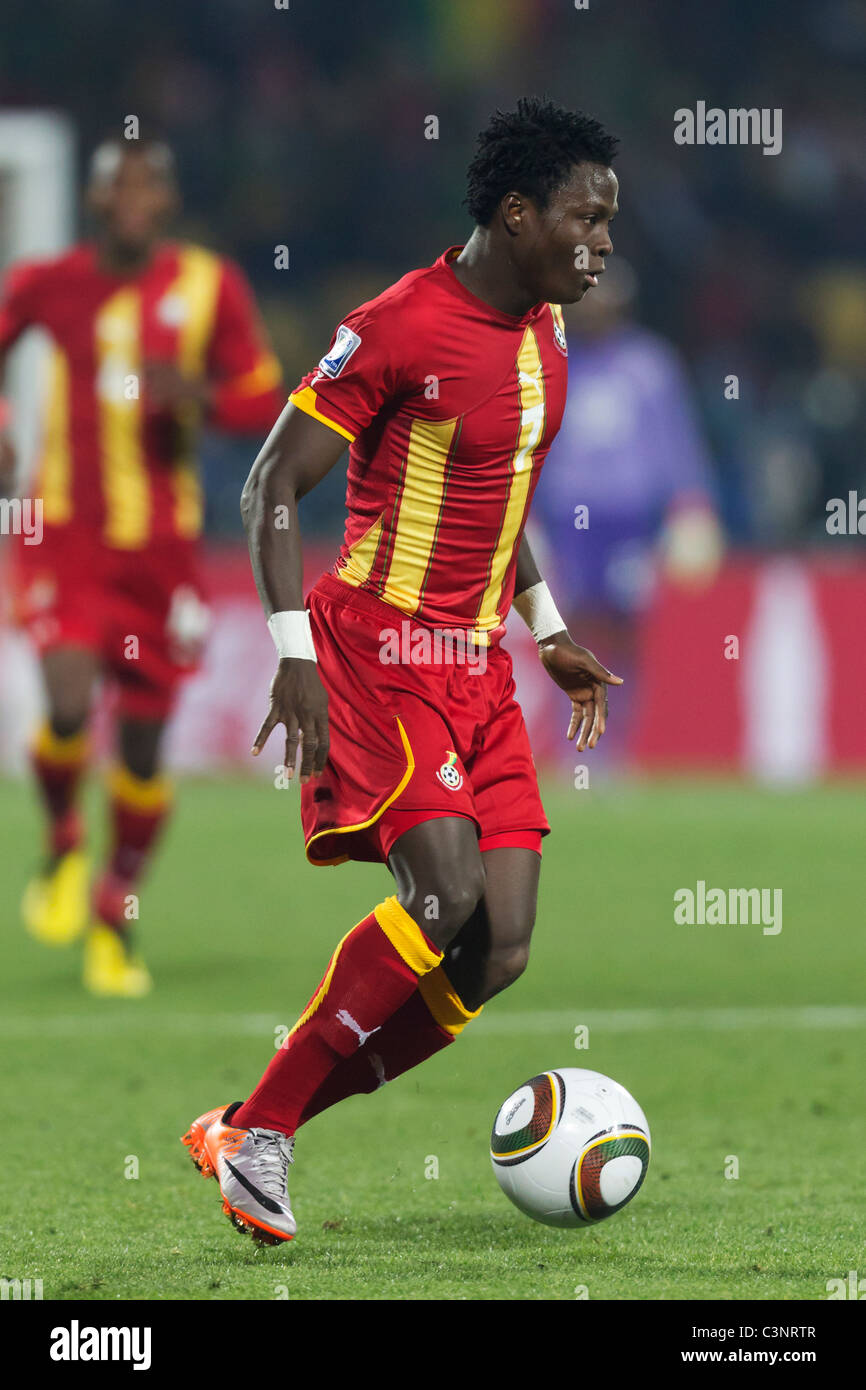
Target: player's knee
{"x": 461, "y": 899}
{"x": 69, "y": 717}
{"x": 140, "y": 742}
{"x": 448, "y": 908}
{"x": 142, "y": 763}
{"x": 69, "y": 677}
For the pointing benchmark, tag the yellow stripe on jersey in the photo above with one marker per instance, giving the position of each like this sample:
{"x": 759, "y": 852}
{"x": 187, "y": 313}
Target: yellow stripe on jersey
{"x": 197, "y": 286}
{"x": 125, "y": 482}
{"x": 530, "y": 379}
{"x": 418, "y": 512}
{"x": 55, "y": 467}
{"x": 305, "y": 399}
{"x": 359, "y": 561}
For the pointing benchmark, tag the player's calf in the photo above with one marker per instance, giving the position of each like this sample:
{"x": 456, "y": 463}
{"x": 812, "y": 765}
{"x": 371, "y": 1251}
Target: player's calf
{"x": 492, "y": 950}
{"x": 501, "y": 968}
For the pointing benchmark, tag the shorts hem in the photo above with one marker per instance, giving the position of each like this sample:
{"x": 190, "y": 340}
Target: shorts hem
{"x": 513, "y": 839}
{"x": 366, "y": 824}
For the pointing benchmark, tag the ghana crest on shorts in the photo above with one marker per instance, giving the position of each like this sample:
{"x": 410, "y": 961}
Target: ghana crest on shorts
{"x": 450, "y": 407}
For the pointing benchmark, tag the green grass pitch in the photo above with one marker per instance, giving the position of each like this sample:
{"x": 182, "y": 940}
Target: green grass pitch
{"x": 736, "y": 1044}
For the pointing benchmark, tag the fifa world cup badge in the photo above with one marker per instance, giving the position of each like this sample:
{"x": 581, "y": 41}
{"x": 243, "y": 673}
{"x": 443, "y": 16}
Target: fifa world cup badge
{"x": 449, "y": 775}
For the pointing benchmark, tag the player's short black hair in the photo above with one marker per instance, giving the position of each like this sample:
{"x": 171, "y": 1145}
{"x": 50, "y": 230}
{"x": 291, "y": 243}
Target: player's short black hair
{"x": 532, "y": 150}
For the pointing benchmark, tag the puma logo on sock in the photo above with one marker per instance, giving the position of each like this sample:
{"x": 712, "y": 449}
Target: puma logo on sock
{"x": 343, "y": 1016}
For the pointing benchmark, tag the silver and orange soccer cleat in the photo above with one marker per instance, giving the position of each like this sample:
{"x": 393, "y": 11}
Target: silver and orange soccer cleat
{"x": 251, "y": 1167}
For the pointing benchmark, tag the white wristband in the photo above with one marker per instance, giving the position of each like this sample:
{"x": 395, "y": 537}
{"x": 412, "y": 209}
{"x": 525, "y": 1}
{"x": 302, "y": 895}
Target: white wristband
{"x": 292, "y": 636}
{"x": 539, "y": 612}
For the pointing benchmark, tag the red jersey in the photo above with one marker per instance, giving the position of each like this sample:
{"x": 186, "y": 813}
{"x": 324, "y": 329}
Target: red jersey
{"x": 450, "y": 407}
{"x": 111, "y": 465}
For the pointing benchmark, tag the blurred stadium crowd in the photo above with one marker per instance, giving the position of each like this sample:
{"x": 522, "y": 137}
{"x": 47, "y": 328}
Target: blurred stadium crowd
{"x": 304, "y": 127}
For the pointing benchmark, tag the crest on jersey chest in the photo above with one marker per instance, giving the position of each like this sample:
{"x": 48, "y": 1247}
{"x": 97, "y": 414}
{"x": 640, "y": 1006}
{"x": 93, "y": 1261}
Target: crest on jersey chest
{"x": 559, "y": 336}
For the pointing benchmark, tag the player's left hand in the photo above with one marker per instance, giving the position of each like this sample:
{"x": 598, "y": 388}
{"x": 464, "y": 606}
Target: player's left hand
{"x": 166, "y": 386}
{"x": 585, "y": 681}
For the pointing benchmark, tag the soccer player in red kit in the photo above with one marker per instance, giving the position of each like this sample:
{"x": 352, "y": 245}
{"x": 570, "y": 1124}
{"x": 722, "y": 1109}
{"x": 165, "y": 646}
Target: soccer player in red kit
{"x": 449, "y": 388}
{"x": 148, "y": 338}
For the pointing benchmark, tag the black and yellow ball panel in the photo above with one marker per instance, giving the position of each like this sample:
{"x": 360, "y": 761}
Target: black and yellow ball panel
{"x": 548, "y": 1091}
{"x": 585, "y": 1186}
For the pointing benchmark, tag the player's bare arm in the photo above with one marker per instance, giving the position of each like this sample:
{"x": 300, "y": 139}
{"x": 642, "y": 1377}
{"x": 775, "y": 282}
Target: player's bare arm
{"x": 575, "y": 669}
{"x": 297, "y": 454}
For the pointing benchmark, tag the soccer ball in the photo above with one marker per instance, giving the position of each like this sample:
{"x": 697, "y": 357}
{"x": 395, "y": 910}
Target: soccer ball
{"x": 570, "y": 1147}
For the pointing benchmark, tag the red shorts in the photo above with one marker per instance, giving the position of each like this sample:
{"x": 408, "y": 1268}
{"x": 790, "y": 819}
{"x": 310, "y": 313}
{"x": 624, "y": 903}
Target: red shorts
{"x": 411, "y": 742}
{"x": 141, "y": 612}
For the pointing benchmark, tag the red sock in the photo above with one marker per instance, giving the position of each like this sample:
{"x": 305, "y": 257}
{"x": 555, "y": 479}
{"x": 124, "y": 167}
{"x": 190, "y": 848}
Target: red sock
{"x": 373, "y": 971}
{"x": 429, "y": 1020}
{"x": 139, "y": 808}
{"x": 58, "y": 764}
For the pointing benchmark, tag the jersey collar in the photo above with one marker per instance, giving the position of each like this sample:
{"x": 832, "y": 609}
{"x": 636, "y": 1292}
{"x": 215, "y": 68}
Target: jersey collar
{"x": 443, "y": 263}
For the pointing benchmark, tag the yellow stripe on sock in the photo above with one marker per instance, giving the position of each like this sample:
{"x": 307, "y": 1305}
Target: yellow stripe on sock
{"x": 445, "y": 1005}
{"x": 325, "y": 985}
{"x": 64, "y": 751}
{"x": 406, "y": 937}
{"x": 141, "y": 793}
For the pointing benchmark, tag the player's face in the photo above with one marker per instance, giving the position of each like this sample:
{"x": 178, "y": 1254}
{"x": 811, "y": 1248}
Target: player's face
{"x": 570, "y": 240}
{"x": 133, "y": 203}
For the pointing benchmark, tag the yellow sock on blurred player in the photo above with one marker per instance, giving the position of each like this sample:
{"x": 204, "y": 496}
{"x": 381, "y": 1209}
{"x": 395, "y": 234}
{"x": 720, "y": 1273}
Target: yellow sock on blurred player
{"x": 55, "y": 903}
{"x": 138, "y": 810}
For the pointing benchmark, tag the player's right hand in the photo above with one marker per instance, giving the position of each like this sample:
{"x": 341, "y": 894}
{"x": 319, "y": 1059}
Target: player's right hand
{"x": 300, "y": 702}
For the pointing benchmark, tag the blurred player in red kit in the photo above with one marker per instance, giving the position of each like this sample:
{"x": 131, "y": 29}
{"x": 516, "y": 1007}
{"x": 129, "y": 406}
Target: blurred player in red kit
{"x": 149, "y": 338}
